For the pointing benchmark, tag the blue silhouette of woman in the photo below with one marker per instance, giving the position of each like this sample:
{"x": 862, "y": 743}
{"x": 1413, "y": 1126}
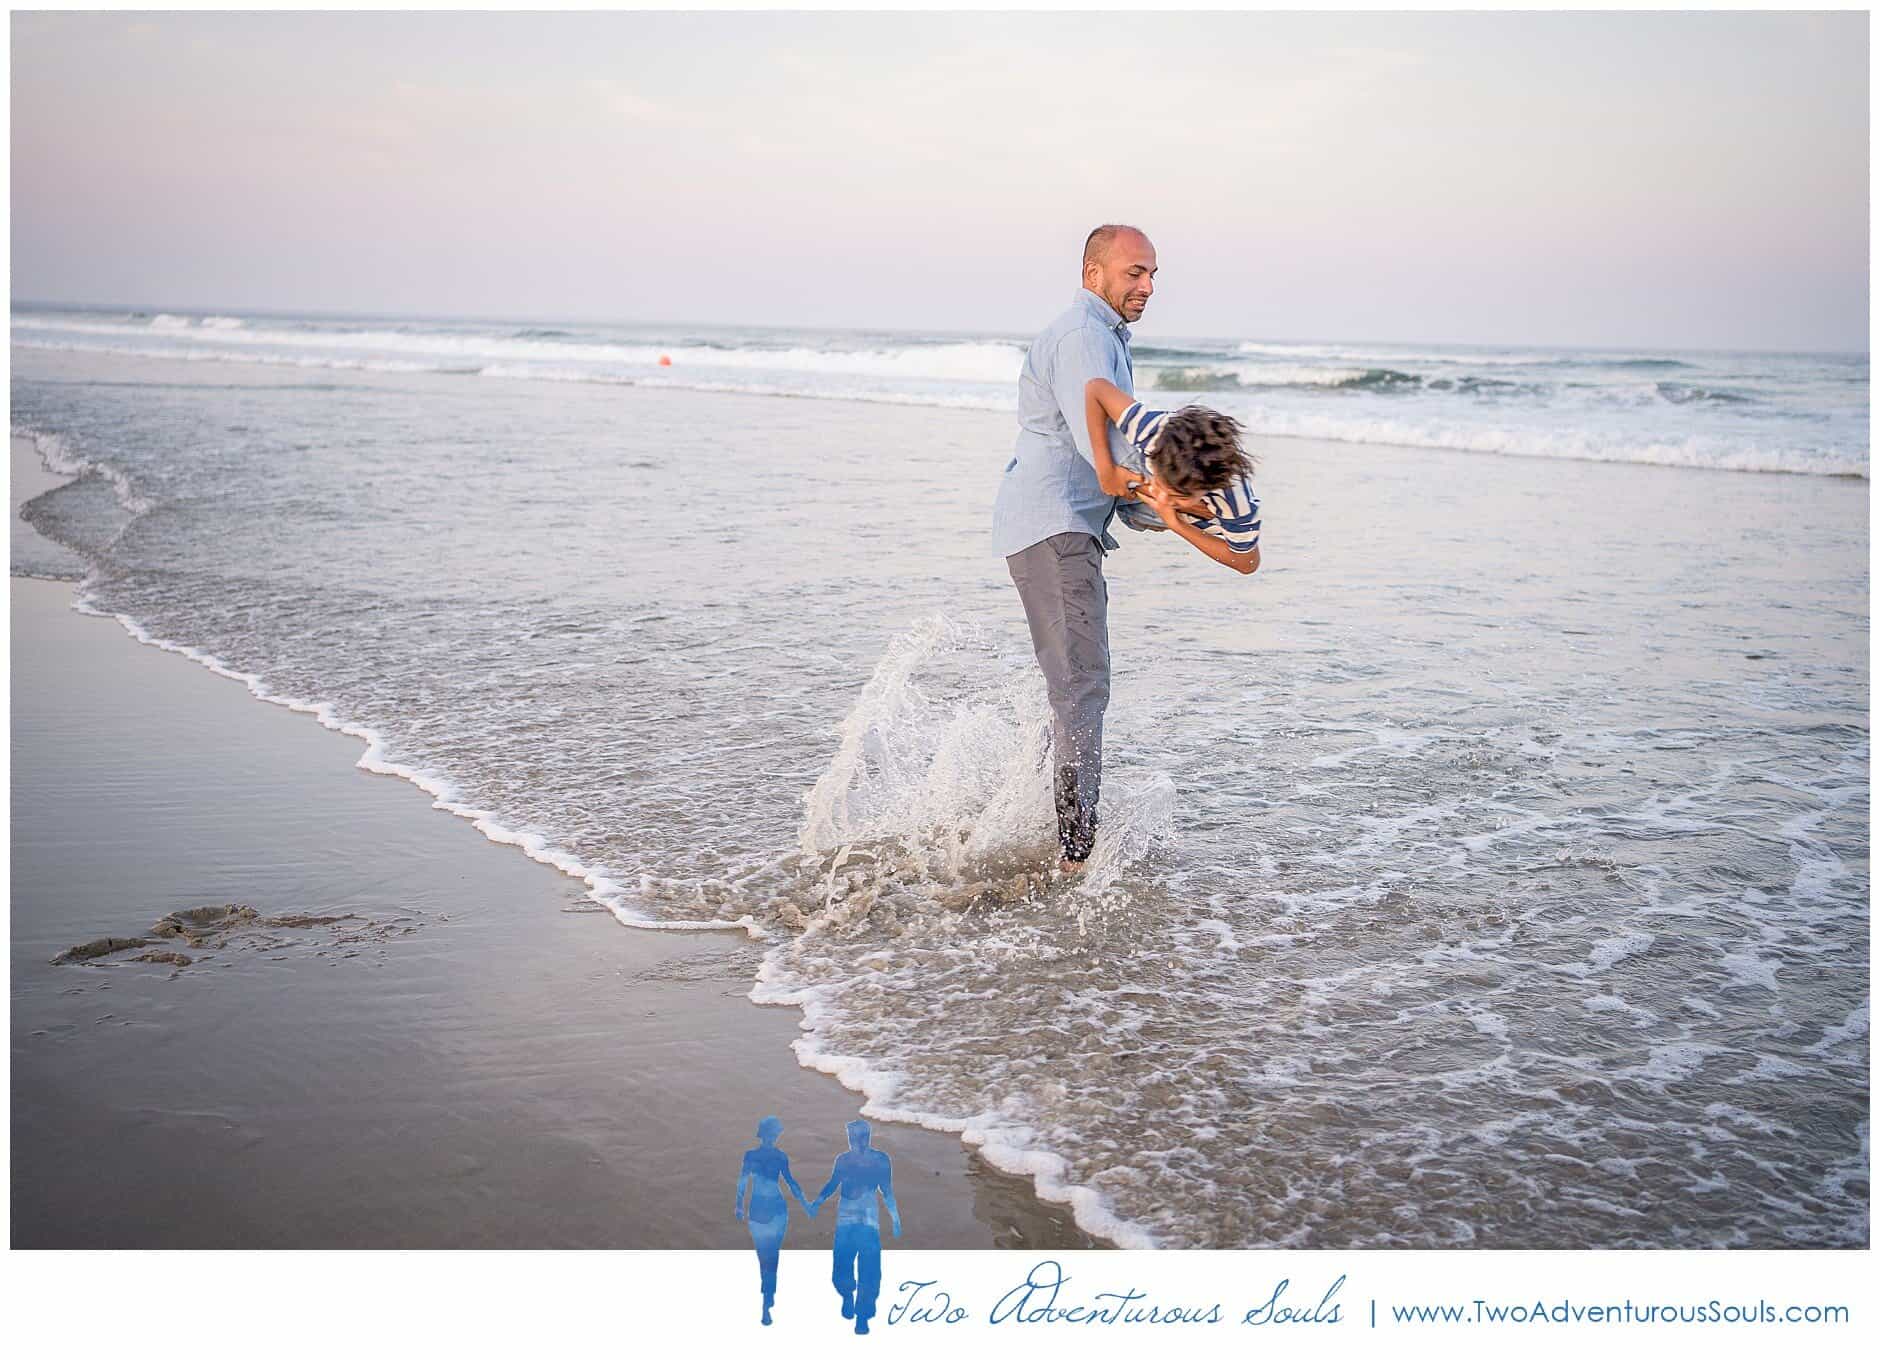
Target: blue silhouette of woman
{"x": 764, "y": 1166}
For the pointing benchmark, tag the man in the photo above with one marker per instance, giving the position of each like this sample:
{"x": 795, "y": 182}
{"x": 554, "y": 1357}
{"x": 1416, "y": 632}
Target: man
{"x": 860, "y": 1172}
{"x": 1051, "y": 521}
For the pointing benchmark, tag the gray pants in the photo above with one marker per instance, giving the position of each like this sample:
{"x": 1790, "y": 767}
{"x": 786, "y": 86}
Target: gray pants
{"x": 1067, "y": 605}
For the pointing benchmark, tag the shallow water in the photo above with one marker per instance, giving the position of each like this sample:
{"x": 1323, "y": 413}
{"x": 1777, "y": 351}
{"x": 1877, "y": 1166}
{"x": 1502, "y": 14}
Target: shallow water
{"x": 1490, "y": 869}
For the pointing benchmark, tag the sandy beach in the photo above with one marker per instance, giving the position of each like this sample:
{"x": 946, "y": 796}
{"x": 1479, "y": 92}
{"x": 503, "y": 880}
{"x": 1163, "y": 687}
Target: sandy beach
{"x": 472, "y": 1056}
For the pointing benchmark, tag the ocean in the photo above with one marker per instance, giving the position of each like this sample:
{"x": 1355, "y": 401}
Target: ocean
{"x": 1744, "y": 411}
{"x": 1490, "y": 869}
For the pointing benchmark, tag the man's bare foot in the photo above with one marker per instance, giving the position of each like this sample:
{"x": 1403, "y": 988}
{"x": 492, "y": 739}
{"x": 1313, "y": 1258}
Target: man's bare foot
{"x": 1067, "y": 867}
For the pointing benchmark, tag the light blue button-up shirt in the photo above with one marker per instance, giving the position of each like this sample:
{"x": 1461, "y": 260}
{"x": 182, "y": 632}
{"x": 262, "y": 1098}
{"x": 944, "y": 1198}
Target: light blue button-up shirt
{"x": 1050, "y": 486}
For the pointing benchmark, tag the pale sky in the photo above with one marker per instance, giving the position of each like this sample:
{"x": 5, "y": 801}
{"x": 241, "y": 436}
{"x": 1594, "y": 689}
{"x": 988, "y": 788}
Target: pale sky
{"x": 1660, "y": 179}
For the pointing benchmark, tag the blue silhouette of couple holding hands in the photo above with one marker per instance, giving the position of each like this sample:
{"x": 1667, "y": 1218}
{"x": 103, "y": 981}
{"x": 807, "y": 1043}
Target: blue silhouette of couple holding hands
{"x": 860, "y": 1175}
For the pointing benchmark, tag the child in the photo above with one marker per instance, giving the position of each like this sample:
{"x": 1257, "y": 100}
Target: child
{"x": 1196, "y": 477}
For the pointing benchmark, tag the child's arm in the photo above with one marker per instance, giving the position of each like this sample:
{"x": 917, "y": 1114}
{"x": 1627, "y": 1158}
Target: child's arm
{"x": 1159, "y": 496}
{"x": 1105, "y": 402}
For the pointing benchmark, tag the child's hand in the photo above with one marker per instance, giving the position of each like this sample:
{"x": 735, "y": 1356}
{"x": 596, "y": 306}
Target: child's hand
{"x": 1168, "y": 505}
{"x": 1160, "y": 499}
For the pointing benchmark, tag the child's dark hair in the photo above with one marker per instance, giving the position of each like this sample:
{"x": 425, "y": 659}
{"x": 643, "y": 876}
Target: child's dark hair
{"x": 1198, "y": 449}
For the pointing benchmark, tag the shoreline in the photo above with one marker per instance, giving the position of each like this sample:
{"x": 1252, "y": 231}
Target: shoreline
{"x": 643, "y": 1094}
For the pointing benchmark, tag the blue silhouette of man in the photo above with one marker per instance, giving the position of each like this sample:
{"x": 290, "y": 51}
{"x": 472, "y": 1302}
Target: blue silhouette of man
{"x": 860, "y": 1173}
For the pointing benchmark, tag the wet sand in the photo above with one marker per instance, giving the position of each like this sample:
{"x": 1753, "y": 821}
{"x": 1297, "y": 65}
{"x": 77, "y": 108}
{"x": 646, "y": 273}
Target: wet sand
{"x": 471, "y": 1055}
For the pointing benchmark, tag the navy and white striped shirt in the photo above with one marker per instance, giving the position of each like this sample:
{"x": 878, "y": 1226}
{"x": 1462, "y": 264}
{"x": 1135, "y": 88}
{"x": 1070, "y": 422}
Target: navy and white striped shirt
{"x": 1236, "y": 519}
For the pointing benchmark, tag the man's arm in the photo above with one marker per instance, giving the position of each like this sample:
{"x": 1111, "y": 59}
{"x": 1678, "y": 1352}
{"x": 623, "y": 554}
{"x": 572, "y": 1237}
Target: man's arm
{"x": 835, "y": 1179}
{"x": 1104, "y": 404}
{"x": 744, "y": 1179}
{"x": 1085, "y": 353}
{"x": 887, "y": 1193}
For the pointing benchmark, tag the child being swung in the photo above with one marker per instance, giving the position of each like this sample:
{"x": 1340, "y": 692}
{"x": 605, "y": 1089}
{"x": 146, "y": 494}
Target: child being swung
{"x": 1195, "y": 477}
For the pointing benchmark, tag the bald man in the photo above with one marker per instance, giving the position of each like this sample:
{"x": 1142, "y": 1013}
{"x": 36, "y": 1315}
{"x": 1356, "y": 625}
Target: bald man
{"x": 1052, "y": 518}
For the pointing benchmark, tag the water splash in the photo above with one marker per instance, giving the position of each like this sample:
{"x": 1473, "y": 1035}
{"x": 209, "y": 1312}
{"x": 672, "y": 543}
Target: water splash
{"x": 941, "y": 779}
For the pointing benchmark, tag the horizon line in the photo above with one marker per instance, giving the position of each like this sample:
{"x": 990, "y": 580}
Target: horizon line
{"x": 315, "y": 313}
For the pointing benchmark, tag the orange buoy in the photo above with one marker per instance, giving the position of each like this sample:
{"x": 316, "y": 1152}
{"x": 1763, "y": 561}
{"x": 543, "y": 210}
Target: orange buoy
{"x": 665, "y": 361}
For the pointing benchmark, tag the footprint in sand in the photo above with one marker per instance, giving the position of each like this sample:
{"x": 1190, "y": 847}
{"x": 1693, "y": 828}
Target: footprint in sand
{"x": 213, "y": 928}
